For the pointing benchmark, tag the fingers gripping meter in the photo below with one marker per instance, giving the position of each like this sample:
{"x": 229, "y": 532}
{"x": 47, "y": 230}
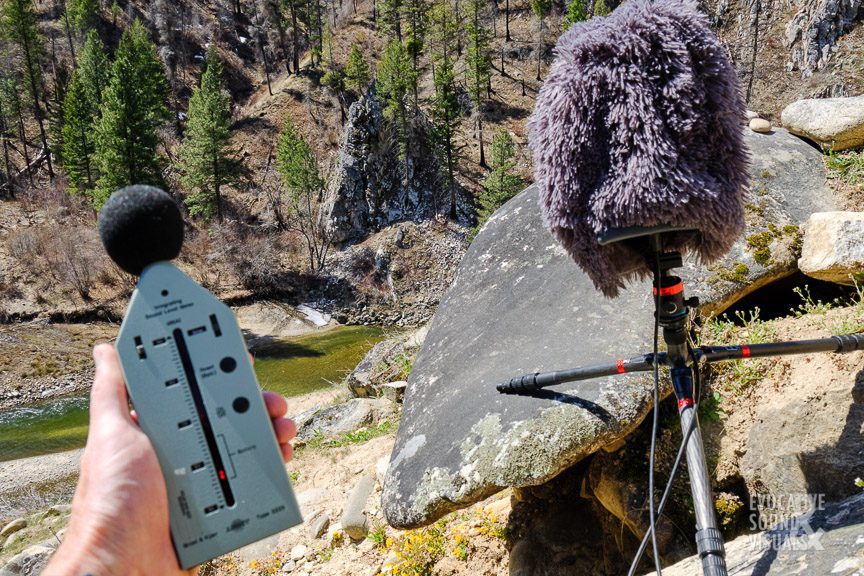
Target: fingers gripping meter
{"x": 193, "y": 387}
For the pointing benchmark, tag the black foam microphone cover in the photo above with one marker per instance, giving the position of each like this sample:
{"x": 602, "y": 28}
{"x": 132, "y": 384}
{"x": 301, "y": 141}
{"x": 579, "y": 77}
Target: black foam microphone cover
{"x": 639, "y": 124}
{"x": 140, "y": 225}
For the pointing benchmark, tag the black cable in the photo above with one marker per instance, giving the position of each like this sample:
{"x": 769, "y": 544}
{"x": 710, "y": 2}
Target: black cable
{"x": 697, "y": 377}
{"x": 666, "y": 493}
{"x": 656, "y": 423}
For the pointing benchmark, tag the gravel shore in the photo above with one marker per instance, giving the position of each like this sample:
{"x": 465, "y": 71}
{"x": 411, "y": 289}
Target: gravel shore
{"x": 18, "y": 474}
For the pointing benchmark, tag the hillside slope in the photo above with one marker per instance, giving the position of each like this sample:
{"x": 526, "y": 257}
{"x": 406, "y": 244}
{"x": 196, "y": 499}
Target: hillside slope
{"x": 248, "y": 255}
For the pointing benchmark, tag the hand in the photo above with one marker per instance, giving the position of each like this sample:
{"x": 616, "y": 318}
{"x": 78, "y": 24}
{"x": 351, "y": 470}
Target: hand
{"x": 119, "y": 521}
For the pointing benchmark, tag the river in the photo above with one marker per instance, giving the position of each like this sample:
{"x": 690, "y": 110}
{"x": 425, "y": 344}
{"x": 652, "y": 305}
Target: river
{"x": 292, "y": 367}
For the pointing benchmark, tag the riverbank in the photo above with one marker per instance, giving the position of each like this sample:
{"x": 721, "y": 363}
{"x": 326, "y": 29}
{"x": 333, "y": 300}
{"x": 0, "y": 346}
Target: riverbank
{"x": 46, "y": 369}
{"x": 42, "y": 361}
{"x": 291, "y": 367}
{"x": 17, "y": 475}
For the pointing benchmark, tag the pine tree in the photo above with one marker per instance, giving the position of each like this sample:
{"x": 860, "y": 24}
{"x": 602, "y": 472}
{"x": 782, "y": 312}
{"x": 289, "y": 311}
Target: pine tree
{"x": 56, "y": 115}
{"x": 577, "y": 11}
{"x": 445, "y": 103}
{"x": 507, "y": 21}
{"x": 357, "y": 75}
{"x": 298, "y": 168}
{"x": 334, "y": 80}
{"x": 83, "y": 13}
{"x": 133, "y": 107}
{"x": 601, "y": 8}
{"x": 77, "y": 135}
{"x": 314, "y": 29}
{"x": 273, "y": 11}
{"x": 262, "y": 37}
{"x": 390, "y": 20}
{"x": 14, "y": 103}
{"x": 394, "y": 80}
{"x": 478, "y": 61}
{"x": 295, "y": 8}
{"x": 206, "y": 161}
{"x": 61, "y": 6}
{"x": 415, "y": 12}
{"x": 7, "y": 123}
{"x": 94, "y": 72}
{"x": 18, "y": 23}
{"x": 445, "y": 118}
{"x": 501, "y": 184}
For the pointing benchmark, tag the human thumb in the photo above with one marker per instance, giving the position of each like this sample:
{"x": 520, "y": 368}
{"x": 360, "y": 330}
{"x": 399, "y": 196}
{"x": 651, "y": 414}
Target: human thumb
{"x": 108, "y": 397}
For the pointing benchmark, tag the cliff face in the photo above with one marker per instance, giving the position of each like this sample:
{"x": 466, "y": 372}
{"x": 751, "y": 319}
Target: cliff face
{"x": 786, "y": 50}
{"x": 370, "y": 188}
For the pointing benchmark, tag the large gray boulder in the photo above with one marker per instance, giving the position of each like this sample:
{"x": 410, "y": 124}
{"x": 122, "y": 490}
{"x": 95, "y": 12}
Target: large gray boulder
{"x": 832, "y": 123}
{"x": 519, "y": 305}
{"x": 788, "y": 183}
{"x": 832, "y": 248}
{"x": 386, "y": 362}
{"x": 334, "y": 420}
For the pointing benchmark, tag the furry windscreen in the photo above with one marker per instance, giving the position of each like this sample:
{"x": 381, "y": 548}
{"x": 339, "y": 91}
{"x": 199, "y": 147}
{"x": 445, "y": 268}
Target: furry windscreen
{"x": 639, "y": 123}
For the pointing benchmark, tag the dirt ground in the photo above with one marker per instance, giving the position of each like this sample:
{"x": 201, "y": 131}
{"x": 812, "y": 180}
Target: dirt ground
{"x": 469, "y": 542}
{"x": 787, "y": 380}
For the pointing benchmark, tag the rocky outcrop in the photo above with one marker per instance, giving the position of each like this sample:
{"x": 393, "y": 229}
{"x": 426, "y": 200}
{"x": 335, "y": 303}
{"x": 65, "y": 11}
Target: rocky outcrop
{"x": 774, "y": 44}
{"x": 397, "y": 276}
{"x": 264, "y": 321}
{"x": 388, "y": 361}
{"x": 371, "y": 187}
{"x": 519, "y": 305}
{"x": 832, "y": 248}
{"x": 807, "y": 440}
{"x": 334, "y": 420}
{"x": 832, "y": 123}
{"x": 813, "y": 32}
{"x": 808, "y": 34}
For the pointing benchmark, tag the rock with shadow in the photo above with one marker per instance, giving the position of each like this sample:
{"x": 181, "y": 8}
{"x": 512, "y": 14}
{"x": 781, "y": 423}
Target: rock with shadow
{"x": 519, "y": 305}
{"x": 330, "y": 421}
{"x": 807, "y": 444}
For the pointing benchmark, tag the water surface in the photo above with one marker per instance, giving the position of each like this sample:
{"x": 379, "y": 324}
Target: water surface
{"x": 291, "y": 367}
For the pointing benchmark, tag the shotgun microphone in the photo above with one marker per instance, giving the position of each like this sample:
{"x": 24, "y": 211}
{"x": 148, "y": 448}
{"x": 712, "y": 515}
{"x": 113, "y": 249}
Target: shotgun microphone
{"x": 639, "y": 125}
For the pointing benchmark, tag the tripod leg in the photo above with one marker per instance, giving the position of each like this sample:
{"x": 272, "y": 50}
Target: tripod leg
{"x": 709, "y": 541}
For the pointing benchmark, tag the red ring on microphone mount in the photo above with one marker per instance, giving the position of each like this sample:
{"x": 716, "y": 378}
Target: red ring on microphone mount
{"x": 670, "y": 290}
